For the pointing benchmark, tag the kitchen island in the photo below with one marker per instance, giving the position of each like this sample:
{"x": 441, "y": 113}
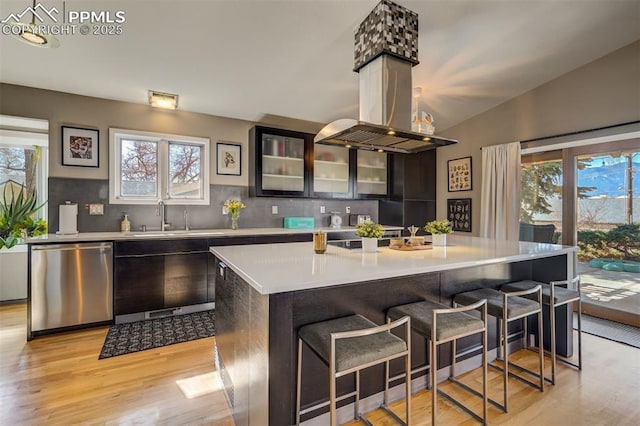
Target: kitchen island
{"x": 264, "y": 293}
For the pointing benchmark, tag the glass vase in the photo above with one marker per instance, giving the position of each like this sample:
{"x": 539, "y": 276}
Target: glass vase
{"x": 234, "y": 222}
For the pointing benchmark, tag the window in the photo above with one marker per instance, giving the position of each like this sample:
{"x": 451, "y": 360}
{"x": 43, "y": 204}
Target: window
{"x": 150, "y": 166}
{"x": 24, "y": 156}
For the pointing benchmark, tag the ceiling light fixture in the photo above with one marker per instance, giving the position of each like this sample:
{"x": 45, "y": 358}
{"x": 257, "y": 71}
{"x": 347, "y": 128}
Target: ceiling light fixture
{"x": 31, "y": 34}
{"x": 163, "y": 100}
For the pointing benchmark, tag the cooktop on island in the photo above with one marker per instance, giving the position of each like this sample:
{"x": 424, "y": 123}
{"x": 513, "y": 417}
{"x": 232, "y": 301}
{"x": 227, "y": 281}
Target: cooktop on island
{"x": 357, "y": 244}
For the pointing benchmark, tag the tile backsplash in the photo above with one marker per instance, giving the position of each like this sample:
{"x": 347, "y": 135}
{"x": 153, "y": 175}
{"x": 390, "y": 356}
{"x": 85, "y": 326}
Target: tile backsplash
{"x": 256, "y": 215}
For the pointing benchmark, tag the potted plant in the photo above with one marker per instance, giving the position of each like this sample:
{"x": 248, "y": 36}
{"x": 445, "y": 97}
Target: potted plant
{"x": 18, "y": 207}
{"x": 234, "y": 207}
{"x": 370, "y": 232}
{"x": 439, "y": 230}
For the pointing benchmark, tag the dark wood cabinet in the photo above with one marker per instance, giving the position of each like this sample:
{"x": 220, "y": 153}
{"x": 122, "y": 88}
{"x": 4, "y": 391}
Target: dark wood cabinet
{"x": 185, "y": 279}
{"x": 279, "y": 162}
{"x": 288, "y": 164}
{"x": 412, "y": 197}
{"x": 333, "y": 171}
{"x": 152, "y": 275}
{"x": 139, "y": 284}
{"x": 372, "y": 174}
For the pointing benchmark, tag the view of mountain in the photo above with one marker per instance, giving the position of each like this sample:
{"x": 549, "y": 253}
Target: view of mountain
{"x": 609, "y": 180}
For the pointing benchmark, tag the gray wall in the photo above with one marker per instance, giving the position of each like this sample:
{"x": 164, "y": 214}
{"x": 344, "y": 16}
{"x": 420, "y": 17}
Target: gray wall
{"x": 602, "y": 93}
{"x": 90, "y": 185}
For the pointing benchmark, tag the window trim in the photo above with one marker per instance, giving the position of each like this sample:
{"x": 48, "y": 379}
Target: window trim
{"x": 163, "y": 140}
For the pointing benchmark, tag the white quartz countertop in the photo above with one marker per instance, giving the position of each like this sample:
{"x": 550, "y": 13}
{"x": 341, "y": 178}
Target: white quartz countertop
{"x": 197, "y": 233}
{"x": 278, "y": 268}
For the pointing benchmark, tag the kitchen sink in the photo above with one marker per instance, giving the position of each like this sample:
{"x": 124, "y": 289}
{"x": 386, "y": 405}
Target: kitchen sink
{"x": 175, "y": 233}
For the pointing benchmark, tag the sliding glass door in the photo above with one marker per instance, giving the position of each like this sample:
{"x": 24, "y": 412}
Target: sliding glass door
{"x": 541, "y": 197}
{"x": 607, "y": 234}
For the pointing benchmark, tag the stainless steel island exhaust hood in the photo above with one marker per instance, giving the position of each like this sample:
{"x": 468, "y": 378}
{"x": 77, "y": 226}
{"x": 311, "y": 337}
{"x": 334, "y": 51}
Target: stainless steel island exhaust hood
{"x": 386, "y": 48}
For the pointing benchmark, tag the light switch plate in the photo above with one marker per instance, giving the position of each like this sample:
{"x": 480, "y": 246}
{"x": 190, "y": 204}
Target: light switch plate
{"x": 224, "y": 210}
{"x": 274, "y": 209}
{"x": 96, "y": 209}
{"x": 323, "y": 209}
{"x": 348, "y": 209}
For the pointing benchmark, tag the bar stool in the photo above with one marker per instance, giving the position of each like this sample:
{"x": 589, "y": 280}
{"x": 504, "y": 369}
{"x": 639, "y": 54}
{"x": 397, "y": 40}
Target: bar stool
{"x": 440, "y": 324}
{"x": 508, "y": 307}
{"x": 560, "y": 296}
{"x": 349, "y": 344}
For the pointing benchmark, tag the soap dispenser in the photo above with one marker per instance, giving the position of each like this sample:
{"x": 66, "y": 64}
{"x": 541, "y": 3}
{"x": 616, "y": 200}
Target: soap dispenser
{"x": 125, "y": 225}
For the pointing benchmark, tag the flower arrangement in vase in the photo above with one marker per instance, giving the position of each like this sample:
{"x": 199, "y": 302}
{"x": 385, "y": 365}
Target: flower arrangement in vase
{"x": 439, "y": 230}
{"x": 370, "y": 232}
{"x": 234, "y": 207}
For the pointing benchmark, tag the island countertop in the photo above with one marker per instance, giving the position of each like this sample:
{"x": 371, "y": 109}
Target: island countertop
{"x": 279, "y": 268}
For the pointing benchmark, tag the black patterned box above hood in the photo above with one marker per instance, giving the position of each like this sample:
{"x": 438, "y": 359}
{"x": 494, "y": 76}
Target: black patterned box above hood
{"x": 389, "y": 28}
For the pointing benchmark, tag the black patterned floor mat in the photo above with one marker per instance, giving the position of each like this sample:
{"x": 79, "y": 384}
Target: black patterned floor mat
{"x": 142, "y": 335}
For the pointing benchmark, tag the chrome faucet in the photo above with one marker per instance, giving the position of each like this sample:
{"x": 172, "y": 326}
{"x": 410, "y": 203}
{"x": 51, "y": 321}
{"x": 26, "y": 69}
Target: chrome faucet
{"x": 160, "y": 211}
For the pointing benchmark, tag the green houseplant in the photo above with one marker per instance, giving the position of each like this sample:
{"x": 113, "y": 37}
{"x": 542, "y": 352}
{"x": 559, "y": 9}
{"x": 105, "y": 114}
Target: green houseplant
{"x": 17, "y": 215}
{"x": 439, "y": 230}
{"x": 19, "y": 205}
{"x": 370, "y": 232}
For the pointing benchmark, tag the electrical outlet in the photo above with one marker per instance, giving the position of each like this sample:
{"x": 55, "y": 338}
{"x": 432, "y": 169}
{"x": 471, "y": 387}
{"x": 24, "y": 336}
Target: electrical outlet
{"x": 274, "y": 209}
{"x": 96, "y": 209}
{"x": 348, "y": 209}
{"x": 225, "y": 211}
{"x": 323, "y": 209}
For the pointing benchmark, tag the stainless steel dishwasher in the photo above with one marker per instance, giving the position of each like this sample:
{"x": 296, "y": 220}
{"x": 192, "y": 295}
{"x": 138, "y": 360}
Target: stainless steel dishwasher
{"x": 71, "y": 285}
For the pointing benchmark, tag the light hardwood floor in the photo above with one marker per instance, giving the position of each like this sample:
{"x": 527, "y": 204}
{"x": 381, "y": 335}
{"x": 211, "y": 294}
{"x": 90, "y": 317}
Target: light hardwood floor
{"x": 58, "y": 380}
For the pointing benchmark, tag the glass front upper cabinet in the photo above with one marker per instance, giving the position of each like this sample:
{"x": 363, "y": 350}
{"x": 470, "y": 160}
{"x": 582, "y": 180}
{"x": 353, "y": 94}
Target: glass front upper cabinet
{"x": 280, "y": 168}
{"x": 331, "y": 171}
{"x": 371, "y": 174}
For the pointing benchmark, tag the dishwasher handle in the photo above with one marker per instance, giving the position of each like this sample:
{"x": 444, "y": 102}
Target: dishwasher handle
{"x": 67, "y": 247}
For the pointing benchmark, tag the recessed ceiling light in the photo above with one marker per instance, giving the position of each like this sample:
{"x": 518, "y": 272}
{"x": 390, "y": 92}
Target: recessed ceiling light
{"x": 347, "y": 146}
{"x": 380, "y": 150}
{"x": 163, "y": 100}
{"x": 426, "y": 139}
{"x": 391, "y": 132}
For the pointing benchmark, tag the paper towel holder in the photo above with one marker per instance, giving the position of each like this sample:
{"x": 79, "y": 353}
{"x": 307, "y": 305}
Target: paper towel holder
{"x": 68, "y": 219}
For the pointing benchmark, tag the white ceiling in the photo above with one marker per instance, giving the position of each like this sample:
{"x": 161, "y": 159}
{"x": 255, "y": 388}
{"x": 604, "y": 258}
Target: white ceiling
{"x": 245, "y": 59}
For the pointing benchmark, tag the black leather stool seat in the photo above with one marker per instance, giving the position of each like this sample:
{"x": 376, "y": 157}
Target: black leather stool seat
{"x": 351, "y": 352}
{"x": 561, "y": 295}
{"x": 450, "y": 325}
{"x": 516, "y": 307}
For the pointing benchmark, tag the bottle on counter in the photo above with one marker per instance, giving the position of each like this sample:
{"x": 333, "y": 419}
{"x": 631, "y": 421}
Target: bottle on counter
{"x": 125, "y": 225}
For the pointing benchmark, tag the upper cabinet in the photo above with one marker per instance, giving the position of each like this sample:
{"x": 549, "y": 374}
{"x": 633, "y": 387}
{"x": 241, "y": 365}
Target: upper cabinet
{"x": 280, "y": 162}
{"x": 332, "y": 172}
{"x": 372, "y": 174}
{"x": 285, "y": 163}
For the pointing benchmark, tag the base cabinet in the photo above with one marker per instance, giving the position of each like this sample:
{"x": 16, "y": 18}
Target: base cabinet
{"x": 155, "y": 275}
{"x": 139, "y": 284}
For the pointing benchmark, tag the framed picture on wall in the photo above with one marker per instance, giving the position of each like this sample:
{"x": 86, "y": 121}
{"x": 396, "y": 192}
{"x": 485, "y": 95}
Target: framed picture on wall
{"x": 459, "y": 213}
{"x": 80, "y": 147}
{"x": 459, "y": 174}
{"x": 229, "y": 159}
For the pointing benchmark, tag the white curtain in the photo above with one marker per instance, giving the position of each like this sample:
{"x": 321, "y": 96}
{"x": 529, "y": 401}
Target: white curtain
{"x": 500, "y": 206}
